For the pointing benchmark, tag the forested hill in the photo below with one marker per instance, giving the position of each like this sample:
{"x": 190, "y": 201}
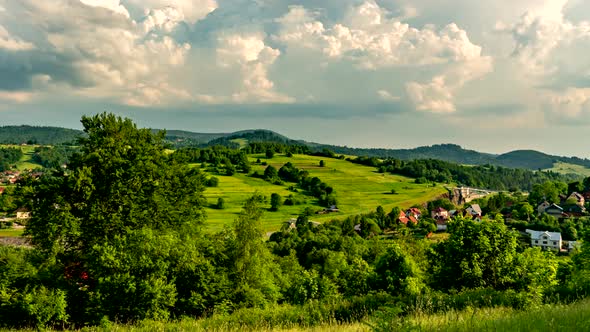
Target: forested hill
{"x": 37, "y": 135}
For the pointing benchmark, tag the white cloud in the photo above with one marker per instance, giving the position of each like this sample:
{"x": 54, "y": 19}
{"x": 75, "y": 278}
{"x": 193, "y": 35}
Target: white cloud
{"x": 114, "y": 5}
{"x": 101, "y": 55}
{"x": 10, "y": 43}
{"x": 191, "y": 10}
{"x": 574, "y": 103}
{"x": 251, "y": 57}
{"x": 373, "y": 41}
{"x": 542, "y": 32}
{"x": 435, "y": 96}
{"x": 387, "y": 96}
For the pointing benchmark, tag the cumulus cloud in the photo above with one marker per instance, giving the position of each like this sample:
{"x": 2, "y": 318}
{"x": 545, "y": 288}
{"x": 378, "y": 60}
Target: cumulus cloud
{"x": 10, "y": 43}
{"x": 191, "y": 10}
{"x": 101, "y": 53}
{"x": 114, "y": 5}
{"x": 543, "y": 31}
{"x": 370, "y": 39}
{"x": 252, "y": 57}
{"x": 570, "y": 104}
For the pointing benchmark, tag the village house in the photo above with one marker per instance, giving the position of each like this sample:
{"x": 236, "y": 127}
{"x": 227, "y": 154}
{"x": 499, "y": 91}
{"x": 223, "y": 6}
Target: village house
{"x": 577, "y": 197}
{"x": 440, "y": 216}
{"x": 404, "y": 218}
{"x": 23, "y": 213}
{"x": 542, "y": 207}
{"x": 545, "y": 240}
{"x": 556, "y": 211}
{"x": 474, "y": 212}
{"x": 439, "y": 213}
{"x": 415, "y": 212}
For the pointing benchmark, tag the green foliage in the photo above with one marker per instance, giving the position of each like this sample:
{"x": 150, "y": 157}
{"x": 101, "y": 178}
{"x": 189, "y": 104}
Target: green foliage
{"x": 275, "y": 201}
{"x": 322, "y": 163}
{"x": 114, "y": 211}
{"x": 53, "y": 157}
{"x": 38, "y": 135}
{"x": 34, "y": 307}
{"x": 253, "y": 271}
{"x": 212, "y": 182}
{"x": 9, "y": 157}
{"x": 397, "y": 273}
{"x": 491, "y": 177}
{"x": 477, "y": 254}
{"x": 220, "y": 203}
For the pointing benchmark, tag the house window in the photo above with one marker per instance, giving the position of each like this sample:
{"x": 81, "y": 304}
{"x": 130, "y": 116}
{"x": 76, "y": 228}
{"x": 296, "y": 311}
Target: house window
{"x": 544, "y": 242}
{"x": 554, "y": 243}
{"x": 536, "y": 241}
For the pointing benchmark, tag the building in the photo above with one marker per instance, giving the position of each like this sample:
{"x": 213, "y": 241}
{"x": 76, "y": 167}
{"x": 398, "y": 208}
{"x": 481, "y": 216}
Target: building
{"x": 542, "y": 207}
{"x": 545, "y": 240}
{"x": 577, "y": 197}
{"x": 556, "y": 211}
{"x": 439, "y": 214}
{"x": 405, "y": 217}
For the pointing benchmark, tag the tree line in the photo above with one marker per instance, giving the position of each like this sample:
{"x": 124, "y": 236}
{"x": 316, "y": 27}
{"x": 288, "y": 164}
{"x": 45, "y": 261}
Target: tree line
{"x": 487, "y": 176}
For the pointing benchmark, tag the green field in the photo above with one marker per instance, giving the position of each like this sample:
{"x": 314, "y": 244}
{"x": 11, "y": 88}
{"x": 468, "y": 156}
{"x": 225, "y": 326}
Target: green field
{"x": 358, "y": 188}
{"x": 25, "y": 161}
{"x": 565, "y": 168}
{"x": 11, "y": 232}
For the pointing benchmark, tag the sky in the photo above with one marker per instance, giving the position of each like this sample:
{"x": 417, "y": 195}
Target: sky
{"x": 490, "y": 75}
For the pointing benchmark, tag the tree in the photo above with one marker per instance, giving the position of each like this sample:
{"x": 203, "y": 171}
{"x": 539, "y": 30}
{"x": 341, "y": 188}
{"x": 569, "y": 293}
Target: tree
{"x": 253, "y": 264}
{"x": 527, "y": 210}
{"x": 322, "y": 163}
{"x": 270, "y": 153}
{"x": 475, "y": 255}
{"x": 397, "y": 273}
{"x": 270, "y": 173}
{"x": 220, "y": 204}
{"x": 98, "y": 223}
{"x": 275, "y": 201}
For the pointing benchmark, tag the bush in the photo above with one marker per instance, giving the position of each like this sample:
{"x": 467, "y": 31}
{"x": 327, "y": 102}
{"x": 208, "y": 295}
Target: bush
{"x": 212, "y": 182}
{"x": 220, "y": 204}
{"x": 38, "y": 307}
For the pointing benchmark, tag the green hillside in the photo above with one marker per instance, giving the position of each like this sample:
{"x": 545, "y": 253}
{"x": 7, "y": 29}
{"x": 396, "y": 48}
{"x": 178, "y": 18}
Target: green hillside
{"x": 358, "y": 189}
{"x": 37, "y": 135}
{"x": 565, "y": 168}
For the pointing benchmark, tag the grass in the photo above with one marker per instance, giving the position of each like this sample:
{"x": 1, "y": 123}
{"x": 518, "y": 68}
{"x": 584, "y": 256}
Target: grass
{"x": 11, "y": 232}
{"x": 358, "y": 188}
{"x": 566, "y": 168}
{"x": 574, "y": 317}
{"x": 26, "y": 161}
{"x": 197, "y": 326}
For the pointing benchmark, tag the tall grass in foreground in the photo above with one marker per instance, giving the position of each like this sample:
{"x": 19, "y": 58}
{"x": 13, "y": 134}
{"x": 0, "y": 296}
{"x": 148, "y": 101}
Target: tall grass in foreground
{"x": 574, "y": 317}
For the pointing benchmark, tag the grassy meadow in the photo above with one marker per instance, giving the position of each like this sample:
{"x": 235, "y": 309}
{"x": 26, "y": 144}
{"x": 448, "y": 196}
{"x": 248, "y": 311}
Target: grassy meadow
{"x": 566, "y": 168}
{"x": 358, "y": 188}
{"x": 11, "y": 232}
{"x": 574, "y": 317}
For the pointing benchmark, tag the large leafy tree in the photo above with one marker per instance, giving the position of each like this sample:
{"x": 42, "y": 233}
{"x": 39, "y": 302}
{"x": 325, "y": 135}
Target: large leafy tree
{"x": 110, "y": 222}
{"x": 477, "y": 254}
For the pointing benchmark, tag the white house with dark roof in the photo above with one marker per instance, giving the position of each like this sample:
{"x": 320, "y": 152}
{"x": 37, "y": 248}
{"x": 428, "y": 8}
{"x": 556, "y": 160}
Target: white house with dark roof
{"x": 545, "y": 240}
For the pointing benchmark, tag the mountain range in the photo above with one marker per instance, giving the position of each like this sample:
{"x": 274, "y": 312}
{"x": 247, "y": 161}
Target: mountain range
{"x": 526, "y": 159}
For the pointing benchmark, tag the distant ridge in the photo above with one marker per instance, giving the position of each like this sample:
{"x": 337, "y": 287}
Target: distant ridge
{"x": 526, "y": 159}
